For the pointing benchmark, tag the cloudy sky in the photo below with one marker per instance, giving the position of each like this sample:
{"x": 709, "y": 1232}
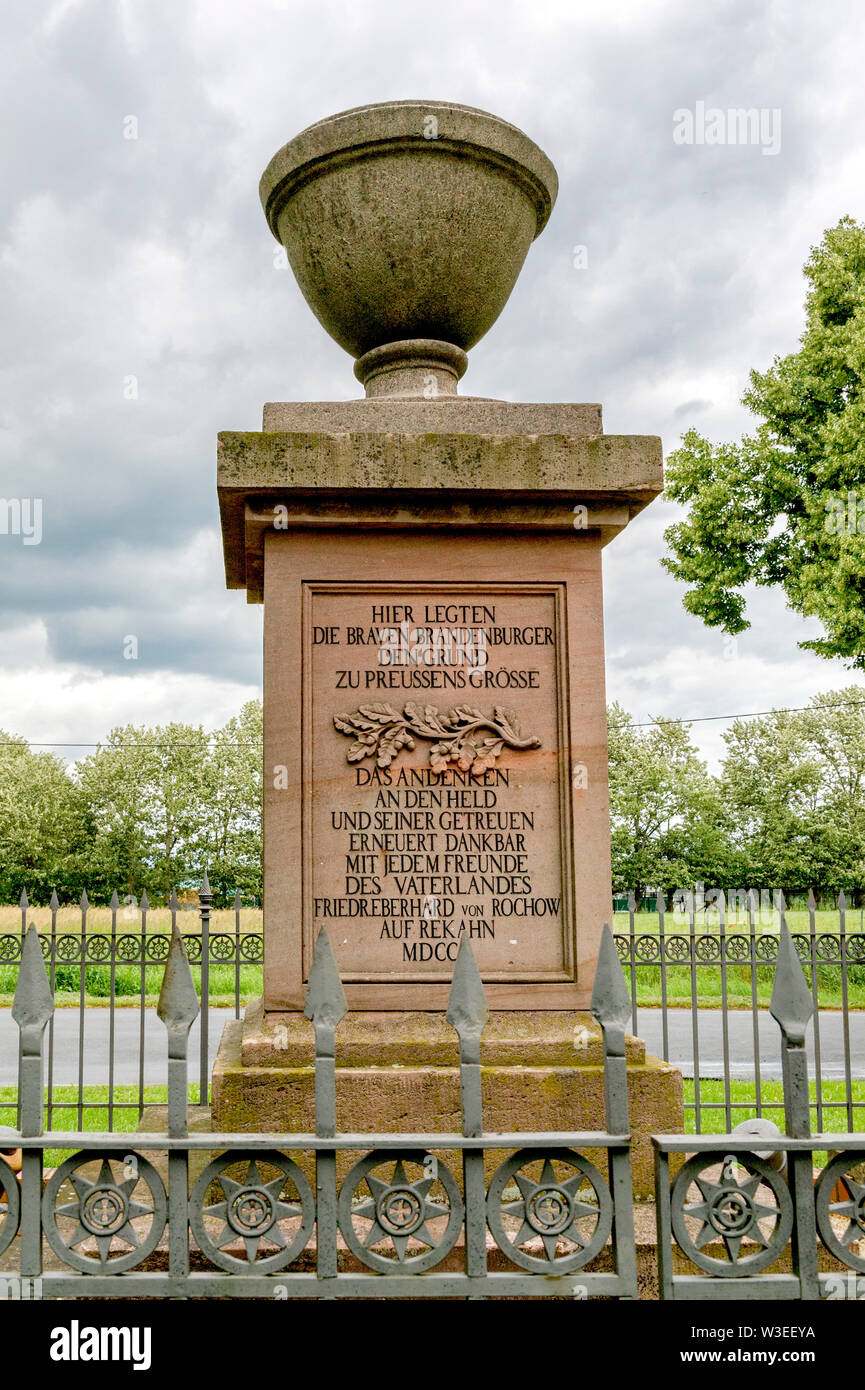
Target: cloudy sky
{"x": 143, "y": 311}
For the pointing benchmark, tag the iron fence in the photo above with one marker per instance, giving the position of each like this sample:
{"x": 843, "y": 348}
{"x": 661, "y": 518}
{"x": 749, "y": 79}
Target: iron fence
{"x": 715, "y": 1047}
{"x": 131, "y": 946}
{"x": 407, "y": 1220}
{"x": 404, "y": 1209}
{"x": 736, "y": 1215}
{"x": 698, "y": 955}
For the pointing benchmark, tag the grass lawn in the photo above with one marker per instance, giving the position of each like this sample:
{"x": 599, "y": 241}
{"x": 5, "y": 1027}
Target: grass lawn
{"x": 714, "y": 1121}
{"x": 129, "y": 919}
{"x": 128, "y": 977}
{"x": 766, "y": 920}
{"x": 710, "y": 986}
{"x": 738, "y": 976}
{"x": 96, "y": 1097}
{"x": 127, "y": 985}
{"x": 222, "y": 981}
{"x": 95, "y": 1116}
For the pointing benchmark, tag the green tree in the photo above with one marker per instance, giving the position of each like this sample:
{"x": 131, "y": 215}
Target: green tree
{"x": 232, "y": 811}
{"x": 43, "y": 824}
{"x": 113, "y": 782}
{"x": 770, "y": 787}
{"x": 786, "y": 505}
{"x": 666, "y": 822}
{"x": 794, "y": 785}
{"x": 146, "y": 791}
{"x": 834, "y": 730}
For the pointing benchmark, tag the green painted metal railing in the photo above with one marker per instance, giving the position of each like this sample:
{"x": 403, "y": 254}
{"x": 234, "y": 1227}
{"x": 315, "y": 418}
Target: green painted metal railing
{"x": 407, "y": 1219}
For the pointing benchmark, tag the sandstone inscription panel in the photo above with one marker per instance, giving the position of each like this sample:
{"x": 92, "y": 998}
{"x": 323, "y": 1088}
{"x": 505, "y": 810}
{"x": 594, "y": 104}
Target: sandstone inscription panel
{"x": 436, "y": 796}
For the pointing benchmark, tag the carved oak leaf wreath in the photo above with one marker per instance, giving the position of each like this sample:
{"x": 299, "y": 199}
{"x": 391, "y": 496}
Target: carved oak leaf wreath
{"x": 463, "y": 735}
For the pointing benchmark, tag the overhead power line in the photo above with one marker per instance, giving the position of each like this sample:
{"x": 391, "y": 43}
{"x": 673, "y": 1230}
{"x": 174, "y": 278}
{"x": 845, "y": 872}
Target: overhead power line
{"x": 755, "y": 714}
{"x": 101, "y": 743}
{"x": 628, "y": 724}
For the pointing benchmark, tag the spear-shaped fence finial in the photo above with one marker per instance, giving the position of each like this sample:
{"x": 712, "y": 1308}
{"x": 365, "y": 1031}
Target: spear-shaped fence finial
{"x": 32, "y": 1009}
{"x": 792, "y": 1007}
{"x": 611, "y": 1006}
{"x": 791, "y": 1004}
{"x": 325, "y": 998}
{"x": 467, "y": 1013}
{"x": 611, "y": 1003}
{"x": 467, "y": 1010}
{"x": 177, "y": 1009}
{"x": 326, "y": 1006}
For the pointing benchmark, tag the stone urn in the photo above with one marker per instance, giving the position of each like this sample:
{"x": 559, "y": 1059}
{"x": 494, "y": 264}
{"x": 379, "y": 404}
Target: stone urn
{"x": 406, "y": 225}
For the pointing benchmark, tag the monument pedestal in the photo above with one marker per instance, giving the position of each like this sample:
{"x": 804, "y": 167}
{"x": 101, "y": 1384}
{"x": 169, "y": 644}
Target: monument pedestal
{"x": 362, "y": 527}
{"x": 435, "y": 750}
{"x": 541, "y": 1071}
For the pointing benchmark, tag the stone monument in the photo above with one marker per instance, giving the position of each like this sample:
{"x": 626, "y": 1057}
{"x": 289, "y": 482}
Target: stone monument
{"x": 435, "y": 757}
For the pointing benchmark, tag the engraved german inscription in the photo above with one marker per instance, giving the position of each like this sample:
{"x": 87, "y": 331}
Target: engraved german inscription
{"x": 434, "y": 799}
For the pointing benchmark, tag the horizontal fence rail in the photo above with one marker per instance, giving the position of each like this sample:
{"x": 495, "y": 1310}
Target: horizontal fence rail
{"x": 100, "y": 948}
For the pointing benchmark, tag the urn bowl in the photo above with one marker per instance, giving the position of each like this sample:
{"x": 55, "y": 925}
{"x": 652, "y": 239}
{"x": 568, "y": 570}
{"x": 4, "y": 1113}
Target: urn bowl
{"x": 407, "y": 224}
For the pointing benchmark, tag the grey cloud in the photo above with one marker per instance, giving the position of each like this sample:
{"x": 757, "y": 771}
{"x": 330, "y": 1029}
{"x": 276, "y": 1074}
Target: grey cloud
{"x": 150, "y": 258}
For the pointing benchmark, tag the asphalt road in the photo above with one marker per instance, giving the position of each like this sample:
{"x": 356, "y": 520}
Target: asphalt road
{"x": 127, "y": 1025}
{"x": 741, "y": 1042}
{"x": 680, "y": 1053}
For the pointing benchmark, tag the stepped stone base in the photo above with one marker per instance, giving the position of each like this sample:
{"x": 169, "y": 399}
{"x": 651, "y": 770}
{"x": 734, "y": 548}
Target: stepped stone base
{"x": 399, "y": 1072}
